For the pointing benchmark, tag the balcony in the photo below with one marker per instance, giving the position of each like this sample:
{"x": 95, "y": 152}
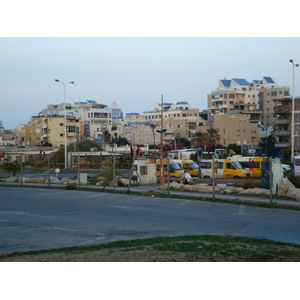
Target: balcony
{"x": 282, "y": 109}
{"x": 283, "y": 145}
{"x": 282, "y": 133}
{"x": 282, "y": 121}
{"x": 217, "y": 99}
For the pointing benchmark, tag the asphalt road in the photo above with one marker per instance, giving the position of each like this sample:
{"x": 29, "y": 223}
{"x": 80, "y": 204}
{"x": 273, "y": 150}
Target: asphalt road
{"x": 32, "y": 219}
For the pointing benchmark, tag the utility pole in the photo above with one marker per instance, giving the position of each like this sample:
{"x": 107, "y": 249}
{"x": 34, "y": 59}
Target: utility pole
{"x": 161, "y": 139}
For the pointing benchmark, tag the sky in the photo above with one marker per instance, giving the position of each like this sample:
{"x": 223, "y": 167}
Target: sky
{"x": 132, "y": 69}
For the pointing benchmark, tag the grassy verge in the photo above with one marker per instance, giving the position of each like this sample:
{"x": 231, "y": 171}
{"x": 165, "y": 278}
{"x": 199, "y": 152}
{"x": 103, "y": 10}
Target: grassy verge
{"x": 204, "y": 248}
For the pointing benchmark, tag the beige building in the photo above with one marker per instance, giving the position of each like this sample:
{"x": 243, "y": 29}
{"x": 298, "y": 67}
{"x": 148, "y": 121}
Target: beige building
{"x": 266, "y": 103}
{"x": 282, "y": 123}
{"x": 179, "y": 120}
{"x": 258, "y": 94}
{"x": 236, "y": 129}
{"x": 7, "y": 137}
{"x": 50, "y": 129}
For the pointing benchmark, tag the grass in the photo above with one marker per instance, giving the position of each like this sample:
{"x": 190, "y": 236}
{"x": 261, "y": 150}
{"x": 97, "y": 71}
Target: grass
{"x": 190, "y": 248}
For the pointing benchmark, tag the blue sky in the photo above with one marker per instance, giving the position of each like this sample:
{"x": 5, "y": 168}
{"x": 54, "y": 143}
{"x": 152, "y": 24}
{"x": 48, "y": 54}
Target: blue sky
{"x": 132, "y": 71}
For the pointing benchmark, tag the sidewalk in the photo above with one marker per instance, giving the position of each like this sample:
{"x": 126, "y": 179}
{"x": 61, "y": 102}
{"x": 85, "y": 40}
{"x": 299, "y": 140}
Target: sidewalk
{"x": 232, "y": 198}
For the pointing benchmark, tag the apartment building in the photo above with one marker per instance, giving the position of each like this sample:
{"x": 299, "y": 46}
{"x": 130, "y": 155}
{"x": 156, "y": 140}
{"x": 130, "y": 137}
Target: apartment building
{"x": 238, "y": 91}
{"x": 266, "y": 98}
{"x": 7, "y": 137}
{"x": 282, "y": 123}
{"x": 229, "y": 93}
{"x": 179, "y": 120}
{"x": 96, "y": 118}
{"x": 50, "y": 129}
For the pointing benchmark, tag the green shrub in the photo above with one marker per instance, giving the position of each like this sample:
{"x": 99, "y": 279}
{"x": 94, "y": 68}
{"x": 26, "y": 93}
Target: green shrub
{"x": 71, "y": 186}
{"x": 247, "y": 184}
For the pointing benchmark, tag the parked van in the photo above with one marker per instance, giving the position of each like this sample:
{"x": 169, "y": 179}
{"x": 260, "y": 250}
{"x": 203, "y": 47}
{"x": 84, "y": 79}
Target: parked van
{"x": 223, "y": 168}
{"x": 189, "y": 166}
{"x": 253, "y": 164}
{"x": 174, "y": 169}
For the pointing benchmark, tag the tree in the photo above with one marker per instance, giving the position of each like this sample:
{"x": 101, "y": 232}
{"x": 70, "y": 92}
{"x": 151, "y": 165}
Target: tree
{"x": 106, "y": 136}
{"x": 212, "y": 136}
{"x": 234, "y": 148}
{"x": 185, "y": 142}
{"x": 268, "y": 142}
{"x": 121, "y": 141}
{"x": 199, "y": 138}
{"x": 82, "y": 146}
{"x": 13, "y": 167}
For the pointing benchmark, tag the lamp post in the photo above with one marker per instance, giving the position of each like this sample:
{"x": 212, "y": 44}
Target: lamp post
{"x": 65, "y": 120}
{"x": 293, "y": 113}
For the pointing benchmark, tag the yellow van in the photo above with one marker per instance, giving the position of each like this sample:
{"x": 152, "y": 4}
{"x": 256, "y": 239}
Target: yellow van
{"x": 189, "y": 166}
{"x": 253, "y": 164}
{"x": 223, "y": 168}
{"x": 174, "y": 169}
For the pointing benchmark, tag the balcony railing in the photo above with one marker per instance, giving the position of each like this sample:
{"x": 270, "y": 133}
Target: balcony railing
{"x": 282, "y": 133}
{"x": 282, "y": 121}
{"x": 283, "y": 145}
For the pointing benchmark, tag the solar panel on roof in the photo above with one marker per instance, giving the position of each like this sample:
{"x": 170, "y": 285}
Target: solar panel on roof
{"x": 91, "y": 101}
{"x": 83, "y": 102}
{"x": 226, "y": 82}
{"x": 268, "y": 79}
{"x": 241, "y": 81}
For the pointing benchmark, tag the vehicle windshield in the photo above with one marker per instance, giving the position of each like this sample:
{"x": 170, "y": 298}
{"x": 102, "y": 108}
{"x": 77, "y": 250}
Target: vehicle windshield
{"x": 237, "y": 165}
{"x": 175, "y": 166}
{"x": 194, "y": 165}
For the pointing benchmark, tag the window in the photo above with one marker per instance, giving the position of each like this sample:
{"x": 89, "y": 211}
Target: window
{"x": 143, "y": 170}
{"x": 100, "y": 115}
{"x": 192, "y": 125}
{"x": 274, "y": 94}
{"x": 229, "y": 166}
{"x": 231, "y": 96}
{"x": 71, "y": 128}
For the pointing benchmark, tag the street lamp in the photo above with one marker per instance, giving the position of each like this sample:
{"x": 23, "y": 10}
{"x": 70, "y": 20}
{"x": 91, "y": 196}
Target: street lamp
{"x": 293, "y": 113}
{"x": 65, "y": 120}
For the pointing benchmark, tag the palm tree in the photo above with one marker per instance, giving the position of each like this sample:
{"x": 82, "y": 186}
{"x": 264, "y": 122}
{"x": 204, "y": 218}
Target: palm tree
{"x": 200, "y": 138}
{"x": 213, "y": 136}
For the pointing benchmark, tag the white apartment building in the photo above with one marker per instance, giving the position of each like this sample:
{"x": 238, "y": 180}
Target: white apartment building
{"x": 235, "y": 91}
{"x": 95, "y": 117}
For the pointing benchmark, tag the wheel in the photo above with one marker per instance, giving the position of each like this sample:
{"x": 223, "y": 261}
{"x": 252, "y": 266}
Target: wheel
{"x": 236, "y": 177}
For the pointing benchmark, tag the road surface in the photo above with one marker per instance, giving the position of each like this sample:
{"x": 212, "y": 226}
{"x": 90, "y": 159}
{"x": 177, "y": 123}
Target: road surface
{"x": 33, "y": 219}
